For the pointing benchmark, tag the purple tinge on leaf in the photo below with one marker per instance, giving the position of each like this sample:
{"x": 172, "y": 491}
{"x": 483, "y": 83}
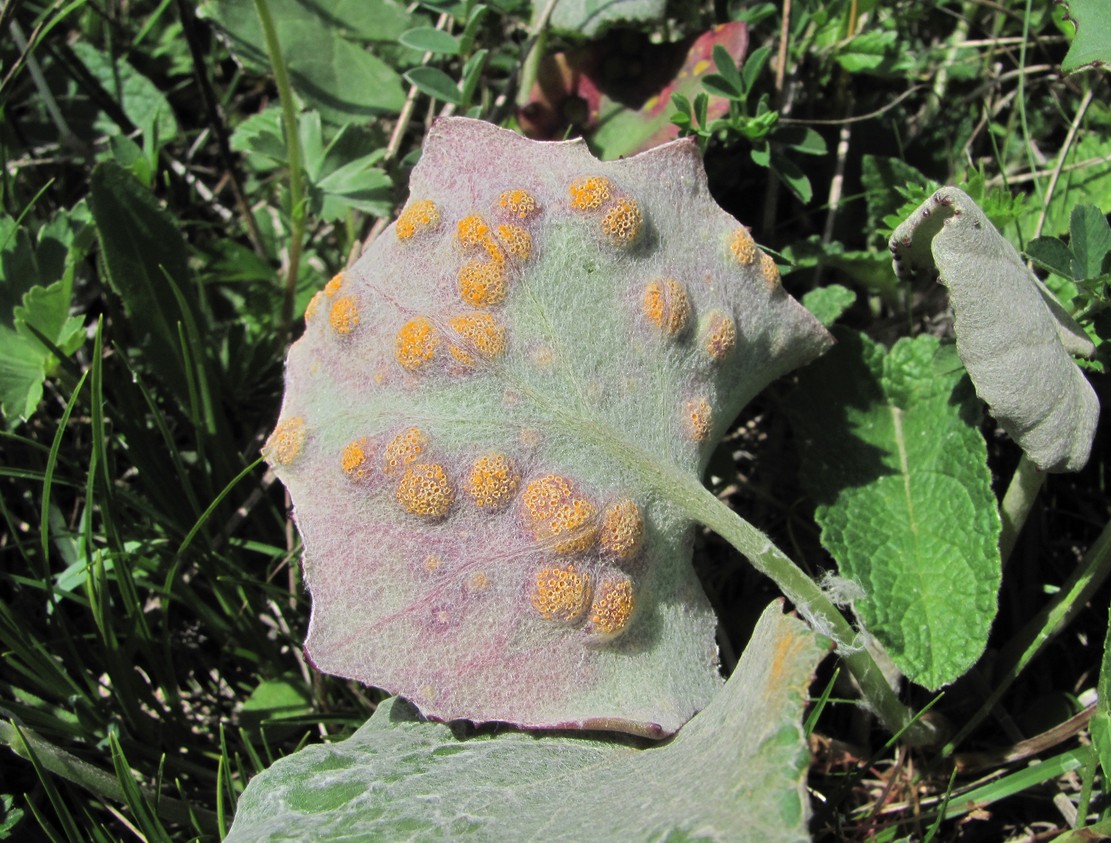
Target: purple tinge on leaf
{"x": 1007, "y": 336}
{"x": 486, "y": 416}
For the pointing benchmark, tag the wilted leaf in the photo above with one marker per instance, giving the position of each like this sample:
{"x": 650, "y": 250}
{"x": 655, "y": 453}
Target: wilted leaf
{"x": 1007, "y": 336}
{"x": 740, "y": 764}
{"x": 487, "y": 415}
{"x": 892, "y": 453}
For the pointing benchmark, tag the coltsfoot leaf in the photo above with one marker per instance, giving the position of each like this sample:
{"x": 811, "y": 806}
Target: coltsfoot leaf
{"x": 893, "y": 455}
{"x": 740, "y": 764}
{"x": 486, "y": 418}
{"x": 1007, "y": 336}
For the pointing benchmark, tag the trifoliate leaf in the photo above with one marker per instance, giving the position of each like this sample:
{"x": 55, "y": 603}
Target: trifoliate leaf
{"x": 738, "y": 765}
{"x": 893, "y": 455}
{"x": 488, "y": 416}
{"x": 1007, "y": 336}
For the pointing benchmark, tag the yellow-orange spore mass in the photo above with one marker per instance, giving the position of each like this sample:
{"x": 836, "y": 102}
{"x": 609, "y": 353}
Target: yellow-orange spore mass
{"x": 622, "y": 530}
{"x": 743, "y": 247}
{"x": 286, "y": 442}
{"x": 721, "y": 336}
{"x": 493, "y": 481}
{"x": 697, "y": 419}
{"x": 332, "y": 287}
{"x": 613, "y": 606}
{"x": 516, "y": 240}
{"x": 667, "y": 306}
{"x": 561, "y": 594}
{"x": 623, "y": 222}
{"x": 483, "y": 284}
{"x": 417, "y": 343}
{"x": 314, "y": 305}
{"x": 558, "y": 513}
{"x": 424, "y": 490}
{"x": 405, "y": 448}
{"x": 357, "y": 460}
{"x": 482, "y": 335}
{"x": 472, "y": 231}
{"x": 590, "y": 192}
{"x": 344, "y": 315}
{"x": 421, "y": 215}
{"x": 519, "y": 203}
{"x": 769, "y": 271}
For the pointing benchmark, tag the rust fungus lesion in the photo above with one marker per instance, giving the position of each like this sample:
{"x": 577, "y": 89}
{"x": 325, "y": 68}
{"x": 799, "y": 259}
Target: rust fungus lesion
{"x": 519, "y": 203}
{"x": 667, "y": 306}
{"x": 561, "y": 594}
{"x": 589, "y": 193}
{"x": 286, "y": 442}
{"x": 559, "y": 515}
{"x": 493, "y": 481}
{"x": 612, "y": 607}
{"x": 418, "y": 217}
{"x": 344, "y": 315}
{"x": 357, "y": 460}
{"x": 405, "y": 448}
{"x": 417, "y": 343}
{"x": 425, "y": 491}
{"x": 622, "y": 530}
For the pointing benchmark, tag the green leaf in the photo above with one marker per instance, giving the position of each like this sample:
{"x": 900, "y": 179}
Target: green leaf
{"x": 26, "y": 361}
{"x": 139, "y": 98}
{"x": 1008, "y": 336}
{"x": 740, "y": 763}
{"x": 505, "y": 386}
{"x": 435, "y": 83}
{"x": 323, "y": 47}
{"x": 1051, "y": 255}
{"x": 829, "y": 302}
{"x": 590, "y": 18}
{"x": 428, "y": 39}
{"x": 892, "y": 453}
{"x": 1101, "y": 720}
{"x": 1090, "y": 242}
{"x": 142, "y": 247}
{"x": 1091, "y": 46}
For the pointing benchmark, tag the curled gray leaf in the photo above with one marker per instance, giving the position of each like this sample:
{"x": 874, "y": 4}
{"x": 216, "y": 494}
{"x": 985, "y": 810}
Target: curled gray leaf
{"x": 1007, "y": 335}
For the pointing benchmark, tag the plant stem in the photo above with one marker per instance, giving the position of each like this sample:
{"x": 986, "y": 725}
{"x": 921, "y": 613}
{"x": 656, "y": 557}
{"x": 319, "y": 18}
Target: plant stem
{"x": 293, "y": 151}
{"x": 1017, "y": 503}
{"x": 703, "y": 506}
{"x": 1024, "y": 647}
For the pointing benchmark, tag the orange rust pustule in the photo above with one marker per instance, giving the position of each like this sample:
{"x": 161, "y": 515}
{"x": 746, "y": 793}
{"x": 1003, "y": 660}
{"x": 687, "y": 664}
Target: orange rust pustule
{"x": 559, "y": 514}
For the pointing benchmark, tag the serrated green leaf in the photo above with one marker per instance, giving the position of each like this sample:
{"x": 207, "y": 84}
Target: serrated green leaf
{"x": 1090, "y": 241}
{"x": 514, "y": 343}
{"x": 740, "y": 763}
{"x": 428, "y": 39}
{"x": 434, "y": 83}
{"x": 1008, "y": 337}
{"x": 141, "y": 245}
{"x": 1091, "y": 46}
{"x": 323, "y": 47}
{"x": 892, "y": 453}
{"x": 829, "y": 302}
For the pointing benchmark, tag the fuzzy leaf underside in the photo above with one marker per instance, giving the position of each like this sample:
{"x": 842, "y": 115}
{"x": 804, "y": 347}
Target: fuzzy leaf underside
{"x": 892, "y": 453}
{"x": 1007, "y": 336}
{"x": 591, "y": 409}
{"x": 591, "y": 17}
{"x": 736, "y": 771}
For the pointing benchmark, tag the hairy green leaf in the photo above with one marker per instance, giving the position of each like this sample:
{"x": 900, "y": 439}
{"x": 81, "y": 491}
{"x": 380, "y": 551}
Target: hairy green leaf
{"x": 740, "y": 763}
{"x": 1008, "y": 337}
{"x": 1101, "y": 720}
{"x": 893, "y": 455}
{"x": 488, "y": 418}
{"x": 591, "y": 17}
